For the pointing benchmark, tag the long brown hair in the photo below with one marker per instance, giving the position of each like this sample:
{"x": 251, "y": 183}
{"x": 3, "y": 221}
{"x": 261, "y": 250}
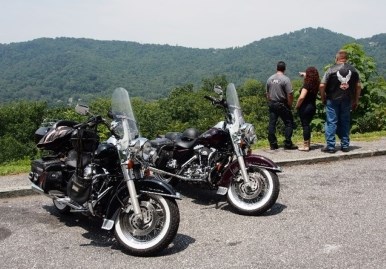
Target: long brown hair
{"x": 312, "y": 80}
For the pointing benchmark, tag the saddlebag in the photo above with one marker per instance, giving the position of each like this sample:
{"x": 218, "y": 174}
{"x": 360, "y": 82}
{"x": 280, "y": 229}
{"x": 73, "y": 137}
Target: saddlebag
{"x": 47, "y": 174}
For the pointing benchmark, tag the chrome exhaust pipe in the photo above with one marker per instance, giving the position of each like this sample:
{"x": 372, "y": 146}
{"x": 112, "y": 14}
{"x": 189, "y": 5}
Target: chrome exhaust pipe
{"x": 161, "y": 172}
{"x": 74, "y": 206}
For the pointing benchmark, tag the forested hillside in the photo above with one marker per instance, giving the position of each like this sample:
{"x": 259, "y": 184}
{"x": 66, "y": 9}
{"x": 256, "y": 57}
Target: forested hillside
{"x": 63, "y": 69}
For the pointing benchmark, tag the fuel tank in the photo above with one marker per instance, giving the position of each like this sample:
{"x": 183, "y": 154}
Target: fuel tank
{"x": 214, "y": 137}
{"x": 106, "y": 156}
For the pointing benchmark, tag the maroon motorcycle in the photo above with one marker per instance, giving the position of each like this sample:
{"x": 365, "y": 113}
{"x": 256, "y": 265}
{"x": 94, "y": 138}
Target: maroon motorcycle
{"x": 220, "y": 158}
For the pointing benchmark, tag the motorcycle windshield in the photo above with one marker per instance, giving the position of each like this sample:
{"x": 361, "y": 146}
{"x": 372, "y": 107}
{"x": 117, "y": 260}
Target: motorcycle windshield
{"x": 234, "y": 107}
{"x": 123, "y": 114}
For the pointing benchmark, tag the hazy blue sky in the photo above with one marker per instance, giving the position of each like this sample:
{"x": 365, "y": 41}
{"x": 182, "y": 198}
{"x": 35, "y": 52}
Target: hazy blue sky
{"x": 188, "y": 23}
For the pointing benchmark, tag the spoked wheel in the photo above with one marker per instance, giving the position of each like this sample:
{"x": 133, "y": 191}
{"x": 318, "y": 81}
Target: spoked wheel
{"x": 257, "y": 197}
{"x": 156, "y": 230}
{"x": 62, "y": 208}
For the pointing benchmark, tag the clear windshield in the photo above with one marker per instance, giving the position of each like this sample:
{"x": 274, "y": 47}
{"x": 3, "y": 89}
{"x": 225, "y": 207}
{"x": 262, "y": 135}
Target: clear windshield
{"x": 234, "y": 106}
{"x": 123, "y": 114}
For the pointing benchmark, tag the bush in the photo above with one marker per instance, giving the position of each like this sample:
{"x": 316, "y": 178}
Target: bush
{"x": 12, "y": 149}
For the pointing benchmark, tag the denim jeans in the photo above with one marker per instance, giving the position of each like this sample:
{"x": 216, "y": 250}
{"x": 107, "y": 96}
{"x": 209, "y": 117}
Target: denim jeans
{"x": 338, "y": 122}
{"x": 279, "y": 110}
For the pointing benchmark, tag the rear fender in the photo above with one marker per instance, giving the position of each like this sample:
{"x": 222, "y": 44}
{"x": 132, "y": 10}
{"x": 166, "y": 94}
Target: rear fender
{"x": 251, "y": 160}
{"x": 149, "y": 185}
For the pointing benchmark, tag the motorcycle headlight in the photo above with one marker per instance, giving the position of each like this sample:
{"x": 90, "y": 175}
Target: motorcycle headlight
{"x": 143, "y": 149}
{"x": 249, "y": 132}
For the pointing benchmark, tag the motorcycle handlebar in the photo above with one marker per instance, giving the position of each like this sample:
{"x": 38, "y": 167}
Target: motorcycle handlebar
{"x": 215, "y": 101}
{"x": 91, "y": 122}
{"x": 94, "y": 121}
{"x": 210, "y": 98}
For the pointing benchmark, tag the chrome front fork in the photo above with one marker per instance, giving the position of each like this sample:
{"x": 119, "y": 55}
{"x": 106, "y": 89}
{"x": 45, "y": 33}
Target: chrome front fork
{"x": 240, "y": 159}
{"x": 132, "y": 191}
{"x": 243, "y": 169}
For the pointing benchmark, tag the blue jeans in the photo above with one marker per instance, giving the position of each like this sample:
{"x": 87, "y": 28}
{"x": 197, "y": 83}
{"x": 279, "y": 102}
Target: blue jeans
{"x": 338, "y": 122}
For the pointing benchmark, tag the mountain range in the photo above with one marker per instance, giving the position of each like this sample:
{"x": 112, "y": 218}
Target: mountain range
{"x": 63, "y": 69}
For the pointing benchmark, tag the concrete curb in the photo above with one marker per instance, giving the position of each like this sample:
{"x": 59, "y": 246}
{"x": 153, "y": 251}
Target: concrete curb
{"x": 16, "y": 192}
{"x": 24, "y": 191}
{"x": 332, "y": 157}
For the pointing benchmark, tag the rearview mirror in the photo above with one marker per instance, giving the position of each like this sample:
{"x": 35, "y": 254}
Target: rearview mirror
{"x": 81, "y": 109}
{"x": 218, "y": 89}
{"x": 110, "y": 114}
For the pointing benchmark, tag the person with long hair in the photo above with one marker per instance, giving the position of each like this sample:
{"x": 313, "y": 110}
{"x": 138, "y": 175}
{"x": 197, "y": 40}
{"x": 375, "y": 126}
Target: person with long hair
{"x": 306, "y": 103}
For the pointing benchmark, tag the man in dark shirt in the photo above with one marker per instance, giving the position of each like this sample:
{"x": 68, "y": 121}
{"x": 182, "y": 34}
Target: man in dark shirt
{"x": 280, "y": 97}
{"x": 340, "y": 89}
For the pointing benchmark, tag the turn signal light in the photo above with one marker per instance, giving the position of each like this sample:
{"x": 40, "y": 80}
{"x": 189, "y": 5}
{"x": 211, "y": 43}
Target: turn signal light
{"x": 147, "y": 173}
{"x": 130, "y": 164}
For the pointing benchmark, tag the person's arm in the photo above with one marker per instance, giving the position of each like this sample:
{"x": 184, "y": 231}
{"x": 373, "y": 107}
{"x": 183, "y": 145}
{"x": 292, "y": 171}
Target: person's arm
{"x": 322, "y": 86}
{"x": 290, "y": 99}
{"x": 301, "y": 98}
{"x": 267, "y": 90}
{"x": 289, "y": 91}
{"x": 322, "y": 91}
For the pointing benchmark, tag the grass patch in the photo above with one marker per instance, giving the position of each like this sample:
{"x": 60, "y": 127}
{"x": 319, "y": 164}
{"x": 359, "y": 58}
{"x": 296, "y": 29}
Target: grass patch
{"x": 297, "y": 138}
{"x": 16, "y": 167}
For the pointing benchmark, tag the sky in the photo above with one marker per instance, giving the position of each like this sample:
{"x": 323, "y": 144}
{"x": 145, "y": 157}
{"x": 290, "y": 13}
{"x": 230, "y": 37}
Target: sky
{"x": 187, "y": 23}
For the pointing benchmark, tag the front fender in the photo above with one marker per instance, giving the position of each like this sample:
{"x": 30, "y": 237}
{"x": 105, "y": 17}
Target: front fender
{"x": 152, "y": 185}
{"x": 250, "y": 160}
{"x": 147, "y": 185}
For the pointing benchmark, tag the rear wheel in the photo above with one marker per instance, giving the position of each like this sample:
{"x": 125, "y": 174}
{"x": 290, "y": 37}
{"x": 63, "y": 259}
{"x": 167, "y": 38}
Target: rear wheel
{"x": 257, "y": 197}
{"x": 156, "y": 230}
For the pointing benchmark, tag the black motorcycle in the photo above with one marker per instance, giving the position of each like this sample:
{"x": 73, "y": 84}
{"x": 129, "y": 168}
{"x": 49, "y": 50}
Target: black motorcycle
{"x": 220, "y": 158}
{"x": 106, "y": 179}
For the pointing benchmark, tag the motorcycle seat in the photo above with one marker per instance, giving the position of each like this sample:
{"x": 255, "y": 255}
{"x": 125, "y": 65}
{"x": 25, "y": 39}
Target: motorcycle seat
{"x": 187, "y": 144}
{"x": 173, "y": 136}
{"x": 161, "y": 143}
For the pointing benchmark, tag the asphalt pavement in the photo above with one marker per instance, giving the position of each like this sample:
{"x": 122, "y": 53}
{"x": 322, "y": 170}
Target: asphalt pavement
{"x": 19, "y": 185}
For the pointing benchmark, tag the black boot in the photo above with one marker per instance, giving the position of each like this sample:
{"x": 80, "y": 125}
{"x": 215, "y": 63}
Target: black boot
{"x": 274, "y": 146}
{"x": 290, "y": 146}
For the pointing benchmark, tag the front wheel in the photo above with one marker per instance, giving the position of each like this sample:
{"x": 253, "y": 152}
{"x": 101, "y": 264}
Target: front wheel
{"x": 156, "y": 230}
{"x": 257, "y": 197}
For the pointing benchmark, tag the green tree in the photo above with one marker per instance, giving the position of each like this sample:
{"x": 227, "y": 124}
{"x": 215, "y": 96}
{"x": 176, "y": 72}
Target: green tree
{"x": 254, "y": 105}
{"x": 19, "y": 121}
{"x": 369, "y": 115}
